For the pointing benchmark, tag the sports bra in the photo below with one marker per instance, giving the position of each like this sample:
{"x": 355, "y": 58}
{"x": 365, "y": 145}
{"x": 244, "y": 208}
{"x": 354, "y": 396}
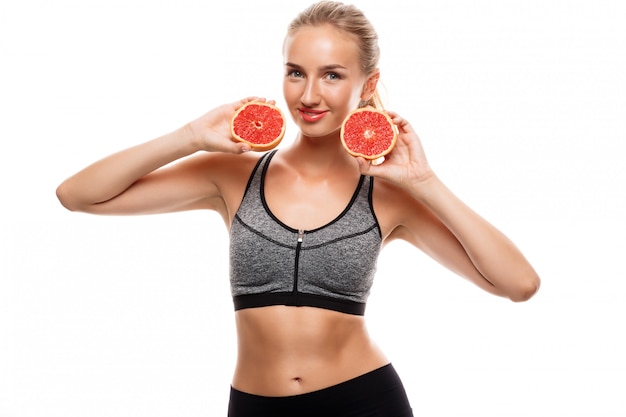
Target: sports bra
{"x": 330, "y": 267}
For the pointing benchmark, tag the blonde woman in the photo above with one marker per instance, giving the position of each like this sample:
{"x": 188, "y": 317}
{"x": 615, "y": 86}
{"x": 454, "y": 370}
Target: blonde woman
{"x": 293, "y": 214}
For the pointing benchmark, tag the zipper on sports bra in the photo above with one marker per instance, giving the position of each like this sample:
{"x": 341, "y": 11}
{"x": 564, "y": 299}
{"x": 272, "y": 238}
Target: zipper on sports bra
{"x": 297, "y": 260}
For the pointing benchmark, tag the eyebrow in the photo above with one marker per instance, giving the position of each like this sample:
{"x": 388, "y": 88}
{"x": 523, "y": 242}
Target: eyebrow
{"x": 322, "y": 68}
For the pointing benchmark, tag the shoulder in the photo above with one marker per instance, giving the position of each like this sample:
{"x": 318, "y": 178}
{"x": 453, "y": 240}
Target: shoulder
{"x": 225, "y": 167}
{"x": 217, "y": 170}
{"x": 229, "y": 174}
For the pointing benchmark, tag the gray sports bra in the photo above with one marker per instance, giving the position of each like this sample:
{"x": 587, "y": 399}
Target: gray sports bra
{"x": 331, "y": 267}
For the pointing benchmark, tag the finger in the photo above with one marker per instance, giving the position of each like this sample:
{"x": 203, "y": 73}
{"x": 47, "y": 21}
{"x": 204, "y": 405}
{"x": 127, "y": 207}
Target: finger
{"x": 402, "y": 123}
{"x": 237, "y": 104}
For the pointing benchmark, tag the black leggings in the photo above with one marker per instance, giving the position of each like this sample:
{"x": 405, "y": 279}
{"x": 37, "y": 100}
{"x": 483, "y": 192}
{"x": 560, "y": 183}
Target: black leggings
{"x": 378, "y": 393}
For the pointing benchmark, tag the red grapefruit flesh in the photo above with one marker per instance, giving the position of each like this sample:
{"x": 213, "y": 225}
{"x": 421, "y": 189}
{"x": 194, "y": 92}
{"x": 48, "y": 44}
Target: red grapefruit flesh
{"x": 259, "y": 124}
{"x": 369, "y": 133}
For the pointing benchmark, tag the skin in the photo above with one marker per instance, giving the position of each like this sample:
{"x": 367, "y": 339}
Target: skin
{"x": 292, "y": 350}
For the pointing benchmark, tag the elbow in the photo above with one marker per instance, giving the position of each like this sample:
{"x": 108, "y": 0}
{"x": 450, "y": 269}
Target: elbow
{"x": 526, "y": 289}
{"x": 65, "y": 197}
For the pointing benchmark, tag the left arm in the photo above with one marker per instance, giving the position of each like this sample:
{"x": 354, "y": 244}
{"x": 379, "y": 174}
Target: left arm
{"x": 437, "y": 221}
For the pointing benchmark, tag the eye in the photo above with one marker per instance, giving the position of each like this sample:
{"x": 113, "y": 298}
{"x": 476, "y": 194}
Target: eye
{"x": 332, "y": 76}
{"x": 294, "y": 74}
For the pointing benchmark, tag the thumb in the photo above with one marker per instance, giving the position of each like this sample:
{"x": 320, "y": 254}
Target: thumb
{"x": 364, "y": 165}
{"x": 242, "y": 147}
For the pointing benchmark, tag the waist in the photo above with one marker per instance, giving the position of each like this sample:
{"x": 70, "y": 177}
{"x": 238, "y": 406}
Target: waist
{"x": 286, "y": 350}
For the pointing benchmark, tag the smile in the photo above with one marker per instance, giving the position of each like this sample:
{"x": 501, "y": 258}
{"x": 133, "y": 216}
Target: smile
{"x": 310, "y": 115}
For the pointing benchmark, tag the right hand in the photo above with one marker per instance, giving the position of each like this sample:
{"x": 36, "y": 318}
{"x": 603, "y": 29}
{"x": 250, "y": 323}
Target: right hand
{"x": 211, "y": 132}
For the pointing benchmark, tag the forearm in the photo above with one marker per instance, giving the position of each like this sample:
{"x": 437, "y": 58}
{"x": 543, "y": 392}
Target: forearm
{"x": 493, "y": 255}
{"x": 112, "y": 175}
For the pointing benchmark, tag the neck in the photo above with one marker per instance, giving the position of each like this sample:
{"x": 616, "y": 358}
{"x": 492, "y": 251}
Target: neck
{"x": 320, "y": 154}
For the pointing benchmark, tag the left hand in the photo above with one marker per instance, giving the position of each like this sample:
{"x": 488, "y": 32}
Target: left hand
{"x": 406, "y": 164}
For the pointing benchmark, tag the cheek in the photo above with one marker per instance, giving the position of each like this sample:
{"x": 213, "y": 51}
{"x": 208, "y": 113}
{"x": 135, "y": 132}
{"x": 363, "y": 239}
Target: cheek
{"x": 290, "y": 91}
{"x": 291, "y": 96}
{"x": 351, "y": 93}
{"x": 285, "y": 90}
{"x": 349, "y": 97}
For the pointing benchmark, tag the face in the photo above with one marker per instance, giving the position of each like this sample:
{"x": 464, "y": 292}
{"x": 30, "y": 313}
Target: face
{"x": 323, "y": 79}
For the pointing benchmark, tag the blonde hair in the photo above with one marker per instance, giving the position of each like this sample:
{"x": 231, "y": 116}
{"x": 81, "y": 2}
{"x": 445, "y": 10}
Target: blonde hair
{"x": 348, "y": 19}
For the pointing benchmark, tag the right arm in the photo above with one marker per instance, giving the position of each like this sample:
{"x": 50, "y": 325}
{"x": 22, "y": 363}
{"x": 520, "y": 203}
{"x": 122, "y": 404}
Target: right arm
{"x": 137, "y": 181}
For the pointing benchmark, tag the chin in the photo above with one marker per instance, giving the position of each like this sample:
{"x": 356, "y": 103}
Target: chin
{"x": 318, "y": 133}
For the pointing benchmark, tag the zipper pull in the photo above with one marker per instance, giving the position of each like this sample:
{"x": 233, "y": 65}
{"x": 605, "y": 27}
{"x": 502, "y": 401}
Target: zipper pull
{"x": 300, "y": 235}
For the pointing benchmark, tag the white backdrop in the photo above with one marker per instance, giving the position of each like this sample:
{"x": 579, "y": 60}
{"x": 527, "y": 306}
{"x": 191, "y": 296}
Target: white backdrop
{"x": 521, "y": 108}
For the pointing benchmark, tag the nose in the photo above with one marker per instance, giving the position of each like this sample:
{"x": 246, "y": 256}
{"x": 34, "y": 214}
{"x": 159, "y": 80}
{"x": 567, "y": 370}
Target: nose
{"x": 310, "y": 94}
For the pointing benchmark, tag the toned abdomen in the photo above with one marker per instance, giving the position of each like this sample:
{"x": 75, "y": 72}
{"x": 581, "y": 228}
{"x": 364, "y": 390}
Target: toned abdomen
{"x": 292, "y": 350}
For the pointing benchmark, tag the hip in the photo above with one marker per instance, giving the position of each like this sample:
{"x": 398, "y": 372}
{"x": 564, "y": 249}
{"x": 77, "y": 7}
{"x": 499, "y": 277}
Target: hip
{"x": 377, "y": 393}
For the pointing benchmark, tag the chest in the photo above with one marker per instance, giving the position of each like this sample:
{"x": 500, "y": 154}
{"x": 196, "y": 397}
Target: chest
{"x": 275, "y": 258}
{"x": 308, "y": 203}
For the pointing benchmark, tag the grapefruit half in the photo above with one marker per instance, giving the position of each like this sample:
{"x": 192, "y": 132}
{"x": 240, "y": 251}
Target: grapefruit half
{"x": 259, "y": 124}
{"x": 369, "y": 133}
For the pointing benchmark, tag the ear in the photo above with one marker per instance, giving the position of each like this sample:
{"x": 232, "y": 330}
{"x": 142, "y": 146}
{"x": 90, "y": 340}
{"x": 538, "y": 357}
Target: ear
{"x": 369, "y": 88}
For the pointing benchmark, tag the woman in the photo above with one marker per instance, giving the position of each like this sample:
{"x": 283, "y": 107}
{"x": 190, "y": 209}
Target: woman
{"x": 292, "y": 216}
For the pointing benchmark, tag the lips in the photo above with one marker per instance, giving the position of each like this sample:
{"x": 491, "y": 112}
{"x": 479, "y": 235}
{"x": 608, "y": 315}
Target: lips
{"x": 311, "y": 115}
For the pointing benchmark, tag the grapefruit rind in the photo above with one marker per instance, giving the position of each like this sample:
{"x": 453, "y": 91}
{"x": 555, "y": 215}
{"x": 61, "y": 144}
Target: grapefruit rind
{"x": 261, "y": 125}
{"x": 369, "y": 133}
